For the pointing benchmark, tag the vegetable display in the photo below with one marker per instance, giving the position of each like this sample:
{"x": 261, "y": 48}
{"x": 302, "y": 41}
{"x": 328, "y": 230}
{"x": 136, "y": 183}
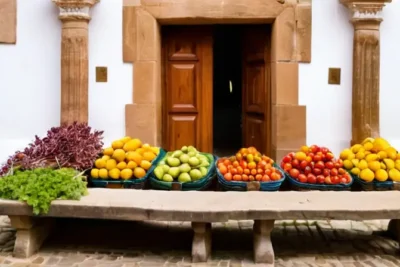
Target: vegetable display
{"x": 75, "y": 146}
{"x": 39, "y": 187}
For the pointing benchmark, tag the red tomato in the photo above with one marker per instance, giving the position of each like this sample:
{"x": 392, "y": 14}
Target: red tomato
{"x": 324, "y": 150}
{"x": 329, "y": 165}
{"x": 243, "y": 164}
{"x": 287, "y": 167}
{"x": 262, "y": 164}
{"x": 317, "y": 171}
{"x": 320, "y": 165}
{"x": 228, "y": 176}
{"x": 295, "y": 163}
{"x": 341, "y": 171}
{"x": 317, "y": 158}
{"x": 302, "y": 178}
{"x": 328, "y": 180}
{"x": 343, "y": 180}
{"x": 294, "y": 173}
{"x": 233, "y": 171}
{"x": 334, "y": 172}
{"x": 307, "y": 170}
{"x": 329, "y": 156}
{"x": 286, "y": 159}
{"x": 311, "y": 179}
{"x": 335, "y": 179}
{"x": 326, "y": 172}
{"x": 314, "y": 148}
{"x": 320, "y": 179}
{"x": 303, "y": 164}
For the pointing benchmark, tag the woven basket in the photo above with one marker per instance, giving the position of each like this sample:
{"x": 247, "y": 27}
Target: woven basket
{"x": 131, "y": 183}
{"x": 376, "y": 185}
{"x": 199, "y": 185}
{"x": 249, "y": 186}
{"x": 298, "y": 186}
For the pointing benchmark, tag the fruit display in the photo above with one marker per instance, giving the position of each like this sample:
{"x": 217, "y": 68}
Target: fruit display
{"x": 248, "y": 165}
{"x": 185, "y": 165}
{"x": 315, "y": 165}
{"x": 372, "y": 160}
{"x": 125, "y": 159}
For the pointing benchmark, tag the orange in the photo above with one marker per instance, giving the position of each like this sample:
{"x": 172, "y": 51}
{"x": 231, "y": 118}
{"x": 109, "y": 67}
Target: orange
{"x": 139, "y": 172}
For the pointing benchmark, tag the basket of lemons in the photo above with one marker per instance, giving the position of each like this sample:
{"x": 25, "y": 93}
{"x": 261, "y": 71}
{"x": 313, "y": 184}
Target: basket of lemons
{"x": 127, "y": 163}
{"x": 374, "y": 164}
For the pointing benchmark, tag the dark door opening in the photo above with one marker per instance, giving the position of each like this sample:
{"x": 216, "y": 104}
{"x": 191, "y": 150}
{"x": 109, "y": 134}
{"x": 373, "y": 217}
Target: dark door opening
{"x": 227, "y": 90}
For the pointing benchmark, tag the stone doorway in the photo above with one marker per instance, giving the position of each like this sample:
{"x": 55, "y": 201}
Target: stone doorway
{"x": 290, "y": 44}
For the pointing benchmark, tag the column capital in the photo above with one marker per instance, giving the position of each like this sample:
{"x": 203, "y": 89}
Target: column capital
{"x": 366, "y": 14}
{"x": 75, "y": 9}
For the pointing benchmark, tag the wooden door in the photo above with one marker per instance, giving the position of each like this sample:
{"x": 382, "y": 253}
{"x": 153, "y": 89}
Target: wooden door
{"x": 187, "y": 87}
{"x": 256, "y": 88}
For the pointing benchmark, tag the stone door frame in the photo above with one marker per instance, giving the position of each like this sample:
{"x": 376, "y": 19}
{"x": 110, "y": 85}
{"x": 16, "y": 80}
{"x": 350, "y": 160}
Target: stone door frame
{"x": 290, "y": 44}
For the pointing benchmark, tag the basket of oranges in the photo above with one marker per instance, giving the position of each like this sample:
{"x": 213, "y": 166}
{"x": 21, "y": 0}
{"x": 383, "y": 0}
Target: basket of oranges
{"x": 127, "y": 163}
{"x": 249, "y": 170}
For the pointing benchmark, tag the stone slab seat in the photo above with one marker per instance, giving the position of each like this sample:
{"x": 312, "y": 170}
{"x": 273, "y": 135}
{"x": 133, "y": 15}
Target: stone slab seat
{"x": 203, "y": 208}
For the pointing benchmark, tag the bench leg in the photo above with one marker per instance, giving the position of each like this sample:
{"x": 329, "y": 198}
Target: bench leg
{"x": 263, "y": 250}
{"x": 394, "y": 229}
{"x": 31, "y": 233}
{"x": 201, "y": 247}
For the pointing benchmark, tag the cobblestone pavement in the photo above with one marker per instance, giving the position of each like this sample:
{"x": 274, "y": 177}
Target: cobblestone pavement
{"x": 127, "y": 244}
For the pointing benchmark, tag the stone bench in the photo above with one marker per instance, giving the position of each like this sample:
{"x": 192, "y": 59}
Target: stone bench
{"x": 203, "y": 208}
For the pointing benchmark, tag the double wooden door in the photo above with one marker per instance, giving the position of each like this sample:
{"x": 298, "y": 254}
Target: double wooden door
{"x": 187, "y": 79}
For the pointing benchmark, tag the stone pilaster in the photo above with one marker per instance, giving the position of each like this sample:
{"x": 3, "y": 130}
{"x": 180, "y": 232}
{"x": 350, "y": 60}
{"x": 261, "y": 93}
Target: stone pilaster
{"x": 75, "y": 18}
{"x": 366, "y": 18}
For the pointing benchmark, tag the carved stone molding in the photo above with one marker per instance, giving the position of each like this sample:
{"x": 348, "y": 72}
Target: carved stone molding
{"x": 366, "y": 18}
{"x": 74, "y": 59}
{"x": 290, "y": 44}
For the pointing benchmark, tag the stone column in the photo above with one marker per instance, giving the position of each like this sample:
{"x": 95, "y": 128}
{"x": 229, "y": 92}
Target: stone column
{"x": 75, "y": 18}
{"x": 366, "y": 18}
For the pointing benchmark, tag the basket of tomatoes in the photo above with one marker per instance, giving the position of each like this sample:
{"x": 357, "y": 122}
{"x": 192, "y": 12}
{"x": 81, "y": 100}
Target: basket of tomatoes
{"x": 315, "y": 168}
{"x": 249, "y": 170}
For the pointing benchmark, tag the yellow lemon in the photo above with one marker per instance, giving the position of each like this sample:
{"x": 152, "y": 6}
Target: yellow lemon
{"x": 368, "y": 139}
{"x": 389, "y": 163}
{"x": 383, "y": 166}
{"x": 368, "y": 146}
{"x": 355, "y": 148}
{"x": 132, "y": 145}
{"x": 126, "y": 174}
{"x": 156, "y": 150}
{"x": 398, "y": 156}
{"x": 391, "y": 153}
{"x": 381, "y": 175}
{"x": 125, "y": 139}
{"x": 105, "y": 157}
{"x": 355, "y": 171}
{"x": 139, "y": 172}
{"x": 347, "y": 164}
{"x": 145, "y": 164}
{"x": 100, "y": 163}
{"x": 380, "y": 144}
{"x": 394, "y": 175}
{"x": 103, "y": 173}
{"x": 397, "y": 166}
{"x": 94, "y": 173}
{"x": 374, "y": 165}
{"x": 146, "y": 146}
{"x": 140, "y": 150}
{"x": 355, "y": 162}
{"x": 345, "y": 153}
{"x": 131, "y": 165}
{"x": 382, "y": 154}
{"x": 360, "y": 155}
{"x": 114, "y": 173}
{"x": 117, "y": 144}
{"x": 367, "y": 153}
{"x": 371, "y": 157}
{"x": 134, "y": 156}
{"x": 121, "y": 165}
{"x": 111, "y": 164}
{"x": 108, "y": 151}
{"x": 351, "y": 156}
{"x": 119, "y": 155}
{"x": 363, "y": 164}
{"x": 149, "y": 155}
{"x": 367, "y": 175}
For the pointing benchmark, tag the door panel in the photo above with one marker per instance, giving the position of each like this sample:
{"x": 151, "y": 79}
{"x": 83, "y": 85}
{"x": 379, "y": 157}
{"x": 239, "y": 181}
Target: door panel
{"x": 256, "y": 88}
{"x": 184, "y": 130}
{"x": 187, "y": 87}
